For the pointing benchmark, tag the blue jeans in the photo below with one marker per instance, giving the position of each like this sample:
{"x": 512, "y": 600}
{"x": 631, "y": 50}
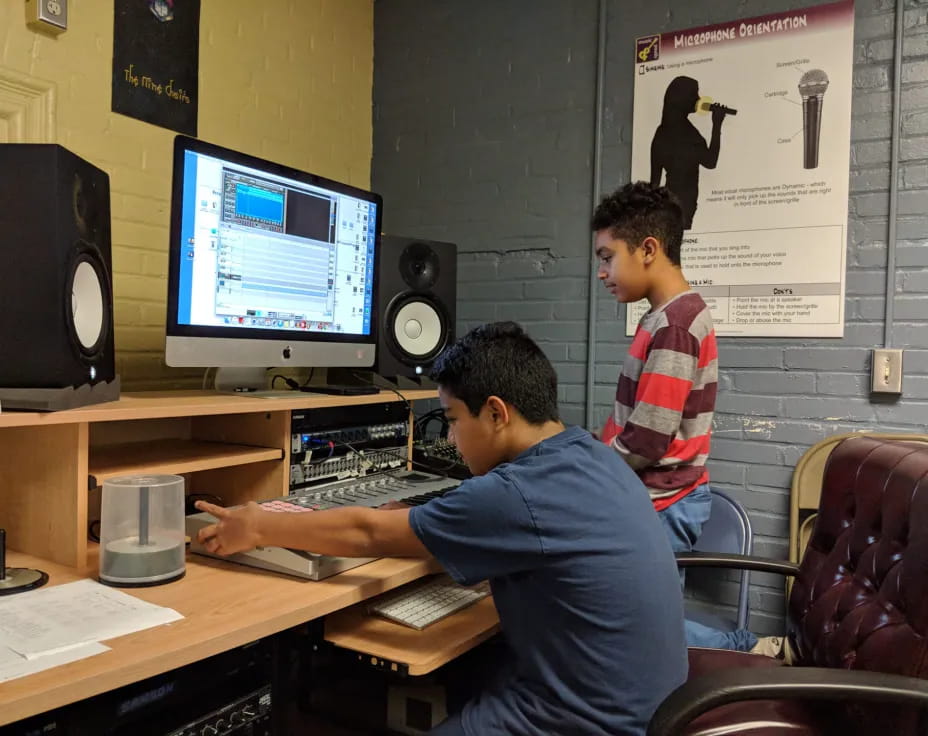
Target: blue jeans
{"x": 683, "y": 522}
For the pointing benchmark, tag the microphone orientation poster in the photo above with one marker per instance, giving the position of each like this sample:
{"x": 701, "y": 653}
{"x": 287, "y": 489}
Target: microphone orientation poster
{"x": 748, "y": 123}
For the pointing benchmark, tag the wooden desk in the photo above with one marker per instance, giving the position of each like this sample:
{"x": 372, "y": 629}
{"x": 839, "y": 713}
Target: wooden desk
{"x": 236, "y": 445}
{"x": 224, "y": 605}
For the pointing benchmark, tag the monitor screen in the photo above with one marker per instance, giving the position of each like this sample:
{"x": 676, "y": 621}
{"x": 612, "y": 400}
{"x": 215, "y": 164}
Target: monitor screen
{"x": 269, "y": 265}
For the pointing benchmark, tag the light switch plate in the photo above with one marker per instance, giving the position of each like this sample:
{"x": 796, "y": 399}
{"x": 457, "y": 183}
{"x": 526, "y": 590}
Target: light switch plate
{"x": 48, "y": 16}
{"x": 886, "y": 371}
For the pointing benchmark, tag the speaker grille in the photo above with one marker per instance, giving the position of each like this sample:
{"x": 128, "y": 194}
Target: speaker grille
{"x": 417, "y": 328}
{"x": 87, "y": 305}
{"x": 87, "y": 300}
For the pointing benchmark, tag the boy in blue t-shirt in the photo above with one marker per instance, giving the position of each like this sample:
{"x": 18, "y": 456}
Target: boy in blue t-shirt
{"x": 583, "y": 577}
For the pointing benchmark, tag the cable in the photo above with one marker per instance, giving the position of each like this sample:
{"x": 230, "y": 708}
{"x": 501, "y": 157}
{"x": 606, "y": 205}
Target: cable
{"x": 402, "y": 398}
{"x": 329, "y": 443}
{"x": 310, "y": 378}
{"x": 389, "y": 388}
{"x": 293, "y": 385}
{"x": 421, "y": 423}
{"x": 440, "y": 471}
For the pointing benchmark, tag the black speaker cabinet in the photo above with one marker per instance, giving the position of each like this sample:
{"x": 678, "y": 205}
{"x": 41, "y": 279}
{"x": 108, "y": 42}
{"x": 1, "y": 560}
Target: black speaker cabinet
{"x": 417, "y": 291}
{"x": 56, "y": 324}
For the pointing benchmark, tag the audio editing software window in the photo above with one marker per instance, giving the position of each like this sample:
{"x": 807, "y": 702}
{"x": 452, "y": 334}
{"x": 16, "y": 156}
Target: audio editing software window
{"x": 268, "y": 252}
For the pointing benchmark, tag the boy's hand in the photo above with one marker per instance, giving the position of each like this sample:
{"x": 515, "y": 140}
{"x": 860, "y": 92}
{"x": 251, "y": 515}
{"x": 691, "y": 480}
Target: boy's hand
{"x": 236, "y": 530}
{"x": 393, "y": 505}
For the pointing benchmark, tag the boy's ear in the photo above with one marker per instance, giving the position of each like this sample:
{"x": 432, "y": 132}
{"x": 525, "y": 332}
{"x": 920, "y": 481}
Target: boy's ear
{"x": 650, "y": 248}
{"x": 498, "y": 411}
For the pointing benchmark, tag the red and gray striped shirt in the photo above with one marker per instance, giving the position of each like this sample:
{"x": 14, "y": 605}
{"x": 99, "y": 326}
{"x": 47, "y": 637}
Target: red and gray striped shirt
{"x": 665, "y": 399}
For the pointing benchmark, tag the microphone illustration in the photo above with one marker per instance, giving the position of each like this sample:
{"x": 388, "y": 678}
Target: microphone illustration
{"x": 812, "y": 86}
{"x": 706, "y": 104}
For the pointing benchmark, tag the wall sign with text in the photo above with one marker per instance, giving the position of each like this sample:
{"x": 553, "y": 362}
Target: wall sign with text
{"x": 156, "y": 54}
{"x": 748, "y": 123}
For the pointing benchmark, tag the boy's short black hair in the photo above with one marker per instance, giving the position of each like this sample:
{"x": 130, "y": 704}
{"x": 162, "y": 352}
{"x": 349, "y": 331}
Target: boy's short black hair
{"x": 639, "y": 210}
{"x": 499, "y": 359}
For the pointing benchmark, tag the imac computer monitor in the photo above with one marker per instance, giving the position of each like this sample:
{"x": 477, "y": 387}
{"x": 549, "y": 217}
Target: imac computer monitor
{"x": 269, "y": 266}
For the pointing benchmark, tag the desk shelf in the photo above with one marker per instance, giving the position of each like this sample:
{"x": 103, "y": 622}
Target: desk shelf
{"x": 229, "y": 446}
{"x": 172, "y": 456}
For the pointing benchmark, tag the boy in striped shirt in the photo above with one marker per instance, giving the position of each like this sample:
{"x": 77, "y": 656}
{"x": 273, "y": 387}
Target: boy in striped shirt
{"x": 662, "y": 421}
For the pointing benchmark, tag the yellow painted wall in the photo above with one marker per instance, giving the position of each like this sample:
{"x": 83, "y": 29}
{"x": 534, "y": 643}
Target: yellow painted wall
{"x": 287, "y": 80}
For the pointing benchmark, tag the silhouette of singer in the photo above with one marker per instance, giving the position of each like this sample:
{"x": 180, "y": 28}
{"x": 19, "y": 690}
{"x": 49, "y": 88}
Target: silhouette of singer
{"x": 680, "y": 149}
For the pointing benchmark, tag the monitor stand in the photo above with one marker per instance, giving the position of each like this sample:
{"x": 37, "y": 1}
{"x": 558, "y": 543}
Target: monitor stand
{"x": 251, "y": 382}
{"x": 241, "y": 380}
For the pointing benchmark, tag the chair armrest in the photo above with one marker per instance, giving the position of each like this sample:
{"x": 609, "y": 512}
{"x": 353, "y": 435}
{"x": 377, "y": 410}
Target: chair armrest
{"x": 740, "y": 562}
{"x": 712, "y": 690}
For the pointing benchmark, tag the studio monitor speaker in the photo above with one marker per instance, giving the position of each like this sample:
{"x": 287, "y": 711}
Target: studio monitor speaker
{"x": 56, "y": 323}
{"x": 417, "y": 291}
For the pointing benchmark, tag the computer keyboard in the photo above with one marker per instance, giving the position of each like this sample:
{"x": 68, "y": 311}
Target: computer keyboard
{"x": 423, "y": 603}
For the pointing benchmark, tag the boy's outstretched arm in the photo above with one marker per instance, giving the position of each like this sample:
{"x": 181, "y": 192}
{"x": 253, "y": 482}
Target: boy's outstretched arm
{"x": 349, "y": 532}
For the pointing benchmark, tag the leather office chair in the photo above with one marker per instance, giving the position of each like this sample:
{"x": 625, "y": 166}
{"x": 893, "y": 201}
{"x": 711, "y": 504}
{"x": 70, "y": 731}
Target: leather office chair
{"x": 728, "y": 530}
{"x": 806, "y": 489}
{"x": 857, "y": 615}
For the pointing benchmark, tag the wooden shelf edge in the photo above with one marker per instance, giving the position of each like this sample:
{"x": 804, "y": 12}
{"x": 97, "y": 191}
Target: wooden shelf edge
{"x": 443, "y": 657}
{"x": 172, "y": 456}
{"x": 167, "y": 404}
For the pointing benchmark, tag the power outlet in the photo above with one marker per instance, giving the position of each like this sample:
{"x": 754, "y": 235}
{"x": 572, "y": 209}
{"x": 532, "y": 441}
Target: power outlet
{"x": 47, "y": 16}
{"x": 886, "y": 371}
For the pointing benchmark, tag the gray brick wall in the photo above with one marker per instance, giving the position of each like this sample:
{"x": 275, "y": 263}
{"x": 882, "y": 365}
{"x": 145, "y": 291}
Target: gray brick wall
{"x": 483, "y": 135}
{"x": 483, "y": 116}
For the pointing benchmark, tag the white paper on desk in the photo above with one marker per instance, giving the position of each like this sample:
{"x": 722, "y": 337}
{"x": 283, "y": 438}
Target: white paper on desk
{"x": 13, "y": 665}
{"x": 58, "y": 618}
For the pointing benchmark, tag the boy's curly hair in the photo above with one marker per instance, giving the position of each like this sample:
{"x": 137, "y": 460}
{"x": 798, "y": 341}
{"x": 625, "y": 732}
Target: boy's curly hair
{"x": 499, "y": 359}
{"x": 639, "y": 210}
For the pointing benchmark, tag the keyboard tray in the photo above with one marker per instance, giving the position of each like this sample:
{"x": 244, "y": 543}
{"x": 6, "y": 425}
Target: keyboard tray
{"x": 399, "y": 648}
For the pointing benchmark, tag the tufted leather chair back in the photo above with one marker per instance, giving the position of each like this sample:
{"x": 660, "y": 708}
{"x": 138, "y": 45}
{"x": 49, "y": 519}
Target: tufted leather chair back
{"x": 861, "y": 598}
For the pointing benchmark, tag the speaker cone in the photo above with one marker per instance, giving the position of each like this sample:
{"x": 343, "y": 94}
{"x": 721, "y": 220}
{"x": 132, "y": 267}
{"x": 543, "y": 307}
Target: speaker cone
{"x": 418, "y": 328}
{"x": 419, "y": 266}
{"x": 88, "y": 301}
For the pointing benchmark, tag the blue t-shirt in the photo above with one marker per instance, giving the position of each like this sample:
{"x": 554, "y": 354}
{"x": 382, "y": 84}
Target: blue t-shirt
{"x": 584, "y": 581}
